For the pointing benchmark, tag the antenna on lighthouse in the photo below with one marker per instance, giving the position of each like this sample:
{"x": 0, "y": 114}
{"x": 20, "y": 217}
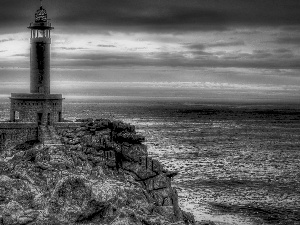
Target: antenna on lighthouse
{"x": 41, "y": 3}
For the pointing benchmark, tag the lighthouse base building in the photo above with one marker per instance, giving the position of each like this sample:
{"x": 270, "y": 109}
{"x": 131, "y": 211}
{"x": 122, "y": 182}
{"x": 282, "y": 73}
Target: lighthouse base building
{"x": 37, "y": 108}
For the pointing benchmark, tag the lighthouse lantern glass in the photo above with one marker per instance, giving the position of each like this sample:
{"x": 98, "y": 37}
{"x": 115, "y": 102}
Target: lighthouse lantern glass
{"x": 35, "y": 33}
{"x": 41, "y": 33}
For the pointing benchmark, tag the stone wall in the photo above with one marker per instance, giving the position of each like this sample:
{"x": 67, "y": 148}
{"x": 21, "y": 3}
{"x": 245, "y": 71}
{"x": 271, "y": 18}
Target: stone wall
{"x": 67, "y": 125}
{"x": 12, "y": 134}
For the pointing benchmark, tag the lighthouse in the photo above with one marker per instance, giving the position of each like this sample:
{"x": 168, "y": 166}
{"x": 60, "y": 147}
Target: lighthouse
{"x": 40, "y": 42}
{"x": 39, "y": 106}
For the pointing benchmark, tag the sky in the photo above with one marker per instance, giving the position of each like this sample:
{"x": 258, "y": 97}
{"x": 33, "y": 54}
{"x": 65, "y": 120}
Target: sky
{"x": 208, "y": 49}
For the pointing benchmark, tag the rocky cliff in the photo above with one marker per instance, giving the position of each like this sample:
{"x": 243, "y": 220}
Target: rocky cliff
{"x": 99, "y": 174}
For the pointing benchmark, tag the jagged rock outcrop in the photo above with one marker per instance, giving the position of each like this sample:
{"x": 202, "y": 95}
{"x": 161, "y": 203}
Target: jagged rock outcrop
{"x": 100, "y": 175}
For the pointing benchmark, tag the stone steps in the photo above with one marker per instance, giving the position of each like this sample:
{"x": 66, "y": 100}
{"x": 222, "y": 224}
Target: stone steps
{"x": 49, "y": 136}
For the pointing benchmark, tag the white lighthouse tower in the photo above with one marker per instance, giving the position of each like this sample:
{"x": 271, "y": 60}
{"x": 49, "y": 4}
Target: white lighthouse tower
{"x": 38, "y": 106}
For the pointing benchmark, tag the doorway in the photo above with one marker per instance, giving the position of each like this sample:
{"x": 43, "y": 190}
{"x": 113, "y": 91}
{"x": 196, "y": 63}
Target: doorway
{"x": 48, "y": 119}
{"x": 59, "y": 116}
{"x": 40, "y": 117}
{"x": 2, "y": 141}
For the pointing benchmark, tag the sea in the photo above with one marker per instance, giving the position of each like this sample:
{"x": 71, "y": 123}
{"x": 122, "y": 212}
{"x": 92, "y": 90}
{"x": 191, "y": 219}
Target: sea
{"x": 238, "y": 163}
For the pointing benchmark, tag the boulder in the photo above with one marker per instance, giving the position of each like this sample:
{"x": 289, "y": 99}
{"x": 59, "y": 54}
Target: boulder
{"x": 11, "y": 212}
{"x": 158, "y": 182}
{"x": 157, "y": 167}
{"x": 138, "y": 171}
{"x": 119, "y": 126}
{"x": 167, "y": 212}
{"x": 134, "y": 152}
{"x": 71, "y": 201}
{"x": 18, "y": 190}
{"x": 131, "y": 138}
{"x": 61, "y": 161}
{"x": 122, "y": 221}
{"x": 163, "y": 197}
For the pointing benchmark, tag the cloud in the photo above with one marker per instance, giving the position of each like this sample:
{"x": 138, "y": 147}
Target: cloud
{"x": 200, "y": 47}
{"x": 226, "y": 44}
{"x": 155, "y": 15}
{"x": 182, "y": 35}
{"x": 5, "y": 40}
{"x": 257, "y": 59}
{"x": 282, "y": 50}
{"x": 196, "y": 46}
{"x": 288, "y": 40}
{"x": 71, "y": 48}
{"x": 106, "y": 46}
{"x": 22, "y": 55}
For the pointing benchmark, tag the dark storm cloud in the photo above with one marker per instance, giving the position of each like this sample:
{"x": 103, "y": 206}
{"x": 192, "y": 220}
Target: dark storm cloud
{"x": 154, "y": 15}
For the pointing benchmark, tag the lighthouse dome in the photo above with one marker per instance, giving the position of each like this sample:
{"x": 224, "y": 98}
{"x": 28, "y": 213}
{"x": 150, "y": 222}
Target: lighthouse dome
{"x": 41, "y": 15}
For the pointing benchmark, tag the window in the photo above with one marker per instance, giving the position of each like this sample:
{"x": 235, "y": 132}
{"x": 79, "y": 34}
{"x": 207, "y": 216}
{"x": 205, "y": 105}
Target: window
{"x": 17, "y": 115}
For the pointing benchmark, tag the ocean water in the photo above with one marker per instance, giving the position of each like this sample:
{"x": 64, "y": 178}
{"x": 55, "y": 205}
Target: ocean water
{"x": 237, "y": 163}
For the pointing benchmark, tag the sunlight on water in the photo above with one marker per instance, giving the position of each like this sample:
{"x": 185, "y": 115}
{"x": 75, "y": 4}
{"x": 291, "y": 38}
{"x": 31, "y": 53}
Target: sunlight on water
{"x": 238, "y": 165}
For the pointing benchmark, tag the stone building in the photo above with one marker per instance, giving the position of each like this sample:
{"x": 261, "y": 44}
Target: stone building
{"x": 33, "y": 115}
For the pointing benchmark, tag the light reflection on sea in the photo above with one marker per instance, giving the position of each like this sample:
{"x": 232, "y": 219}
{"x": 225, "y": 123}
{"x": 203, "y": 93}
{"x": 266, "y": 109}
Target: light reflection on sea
{"x": 239, "y": 164}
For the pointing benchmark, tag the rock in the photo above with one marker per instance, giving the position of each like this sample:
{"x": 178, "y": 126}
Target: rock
{"x": 104, "y": 191}
{"x": 70, "y": 199}
{"x": 124, "y": 221}
{"x": 119, "y": 126}
{"x": 171, "y": 174}
{"x": 163, "y": 197}
{"x": 158, "y": 182}
{"x": 30, "y": 155}
{"x": 14, "y": 214}
{"x": 87, "y": 140}
{"x": 131, "y": 138}
{"x": 101, "y": 124}
{"x": 157, "y": 167}
{"x": 17, "y": 190}
{"x": 27, "y": 216}
{"x": 102, "y": 175}
{"x": 12, "y": 208}
{"x": 134, "y": 152}
{"x": 204, "y": 222}
{"x": 167, "y": 212}
{"x": 138, "y": 171}
{"x": 4, "y": 167}
{"x": 188, "y": 217}
{"x": 61, "y": 161}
